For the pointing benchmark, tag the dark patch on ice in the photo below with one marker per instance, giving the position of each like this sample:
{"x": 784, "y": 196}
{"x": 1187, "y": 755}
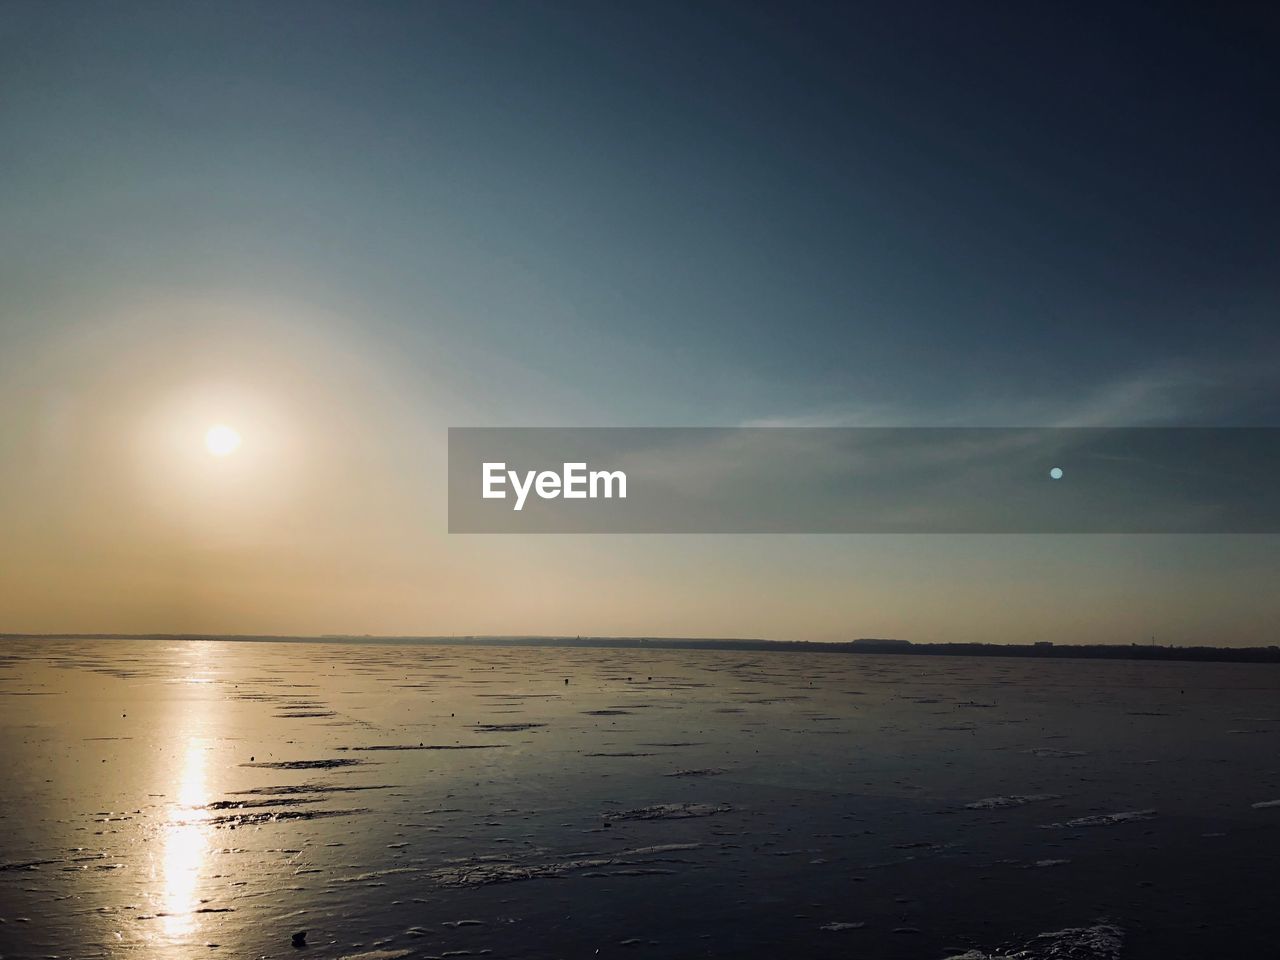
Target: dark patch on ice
{"x": 302, "y": 764}
{"x": 677, "y": 743}
{"x": 429, "y": 746}
{"x": 296, "y": 788}
{"x": 250, "y": 804}
{"x": 27, "y": 864}
{"x": 670, "y": 811}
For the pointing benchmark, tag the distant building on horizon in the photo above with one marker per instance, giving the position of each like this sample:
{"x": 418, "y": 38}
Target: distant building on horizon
{"x": 874, "y": 642}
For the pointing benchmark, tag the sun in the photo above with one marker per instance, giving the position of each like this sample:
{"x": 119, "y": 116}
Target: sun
{"x": 221, "y": 440}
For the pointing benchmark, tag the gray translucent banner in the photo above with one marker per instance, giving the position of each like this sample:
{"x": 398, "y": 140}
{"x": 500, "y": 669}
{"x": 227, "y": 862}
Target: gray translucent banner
{"x": 864, "y": 480}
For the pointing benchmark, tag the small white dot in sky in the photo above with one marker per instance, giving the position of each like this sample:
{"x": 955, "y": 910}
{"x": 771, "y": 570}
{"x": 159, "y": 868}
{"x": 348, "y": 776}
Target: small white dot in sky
{"x": 1056, "y": 473}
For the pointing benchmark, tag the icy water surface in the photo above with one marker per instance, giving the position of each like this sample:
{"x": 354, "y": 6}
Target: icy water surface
{"x": 212, "y": 799}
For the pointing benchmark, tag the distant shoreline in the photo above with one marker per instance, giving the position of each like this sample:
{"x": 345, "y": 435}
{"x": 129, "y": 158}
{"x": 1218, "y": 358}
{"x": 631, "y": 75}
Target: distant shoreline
{"x": 1097, "y": 651}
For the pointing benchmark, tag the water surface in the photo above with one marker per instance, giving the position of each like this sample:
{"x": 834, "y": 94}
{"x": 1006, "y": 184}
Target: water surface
{"x": 212, "y": 798}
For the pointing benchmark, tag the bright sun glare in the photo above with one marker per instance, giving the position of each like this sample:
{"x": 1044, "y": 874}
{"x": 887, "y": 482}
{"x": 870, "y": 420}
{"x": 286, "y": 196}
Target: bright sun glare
{"x": 221, "y": 440}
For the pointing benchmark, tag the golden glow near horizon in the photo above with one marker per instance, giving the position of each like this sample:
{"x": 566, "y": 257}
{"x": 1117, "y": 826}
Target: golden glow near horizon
{"x": 331, "y": 516}
{"x": 222, "y": 440}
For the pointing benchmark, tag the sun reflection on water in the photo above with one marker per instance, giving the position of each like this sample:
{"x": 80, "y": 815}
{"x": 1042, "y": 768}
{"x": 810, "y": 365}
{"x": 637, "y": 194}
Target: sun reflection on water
{"x": 186, "y": 832}
{"x": 186, "y": 843}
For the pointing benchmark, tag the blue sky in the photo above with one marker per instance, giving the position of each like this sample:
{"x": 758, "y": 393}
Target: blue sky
{"x": 666, "y": 214}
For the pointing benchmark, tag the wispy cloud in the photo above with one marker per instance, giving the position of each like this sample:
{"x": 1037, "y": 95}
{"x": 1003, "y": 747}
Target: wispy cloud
{"x": 1172, "y": 394}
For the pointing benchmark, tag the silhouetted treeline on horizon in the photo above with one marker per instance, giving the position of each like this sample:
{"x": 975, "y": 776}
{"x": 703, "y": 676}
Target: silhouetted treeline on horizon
{"x": 865, "y": 645}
